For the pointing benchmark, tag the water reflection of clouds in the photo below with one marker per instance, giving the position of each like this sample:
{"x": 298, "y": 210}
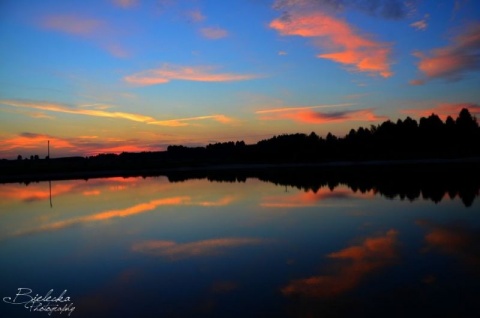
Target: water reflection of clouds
{"x": 310, "y": 198}
{"x": 455, "y": 239}
{"x": 354, "y": 264}
{"x": 41, "y": 191}
{"x": 106, "y": 215}
{"x": 176, "y": 251}
{"x": 127, "y": 212}
{"x": 34, "y": 192}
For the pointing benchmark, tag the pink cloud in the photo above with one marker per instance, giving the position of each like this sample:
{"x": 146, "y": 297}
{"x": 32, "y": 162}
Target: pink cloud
{"x": 196, "y": 73}
{"x": 214, "y": 33}
{"x": 72, "y": 24}
{"x": 308, "y": 115}
{"x": 346, "y": 46}
{"x": 452, "y": 61}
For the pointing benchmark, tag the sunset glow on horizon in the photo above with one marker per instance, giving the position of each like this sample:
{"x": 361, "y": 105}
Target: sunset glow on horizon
{"x": 116, "y": 76}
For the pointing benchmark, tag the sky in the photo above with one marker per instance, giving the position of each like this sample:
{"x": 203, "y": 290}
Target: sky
{"x": 109, "y": 76}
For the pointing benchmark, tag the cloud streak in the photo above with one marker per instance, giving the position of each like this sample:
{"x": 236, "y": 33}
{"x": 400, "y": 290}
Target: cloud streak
{"x": 387, "y": 9}
{"x": 358, "y": 52}
{"x": 167, "y": 73}
{"x": 111, "y": 114}
{"x": 184, "y": 121}
{"x": 289, "y": 109}
{"x": 177, "y": 251}
{"x": 307, "y": 115}
{"x": 94, "y": 30}
{"x": 453, "y": 61}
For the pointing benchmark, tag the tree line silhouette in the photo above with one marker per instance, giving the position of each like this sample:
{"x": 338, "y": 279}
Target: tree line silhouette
{"x": 407, "y": 139}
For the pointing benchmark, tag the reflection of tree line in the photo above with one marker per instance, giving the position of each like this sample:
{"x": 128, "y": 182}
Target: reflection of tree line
{"x": 408, "y": 139}
{"x": 430, "y": 181}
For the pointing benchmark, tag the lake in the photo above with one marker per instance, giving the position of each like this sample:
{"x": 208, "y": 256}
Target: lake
{"x": 199, "y": 247}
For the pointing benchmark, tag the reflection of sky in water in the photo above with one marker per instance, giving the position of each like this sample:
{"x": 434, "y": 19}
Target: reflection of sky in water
{"x": 147, "y": 247}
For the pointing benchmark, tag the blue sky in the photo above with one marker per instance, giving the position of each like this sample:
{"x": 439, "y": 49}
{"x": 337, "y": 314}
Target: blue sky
{"x": 137, "y": 75}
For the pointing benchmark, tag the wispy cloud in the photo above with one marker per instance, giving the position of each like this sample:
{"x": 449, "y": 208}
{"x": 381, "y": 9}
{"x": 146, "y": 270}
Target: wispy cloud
{"x": 88, "y": 111}
{"x": 79, "y": 111}
{"x": 94, "y": 30}
{"x": 177, "y": 251}
{"x": 214, "y": 33}
{"x": 443, "y": 110}
{"x": 307, "y": 115}
{"x": 355, "y": 263}
{"x": 359, "y": 52}
{"x": 184, "y": 121}
{"x": 72, "y": 24}
{"x": 290, "y": 109}
{"x": 166, "y": 73}
{"x": 421, "y": 24}
{"x": 125, "y": 4}
{"x": 453, "y": 61}
{"x": 388, "y": 9}
{"x": 195, "y": 16}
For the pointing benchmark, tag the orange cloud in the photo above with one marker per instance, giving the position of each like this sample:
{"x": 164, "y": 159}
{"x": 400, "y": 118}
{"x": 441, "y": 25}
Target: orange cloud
{"x": 444, "y": 110}
{"x": 176, "y": 251}
{"x": 214, "y": 33}
{"x": 356, "y": 262}
{"x": 306, "y": 115}
{"x": 168, "y": 72}
{"x": 349, "y": 48}
{"x": 452, "y": 61}
{"x": 32, "y": 141}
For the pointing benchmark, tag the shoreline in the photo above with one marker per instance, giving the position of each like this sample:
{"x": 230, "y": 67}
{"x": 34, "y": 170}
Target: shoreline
{"x": 244, "y": 167}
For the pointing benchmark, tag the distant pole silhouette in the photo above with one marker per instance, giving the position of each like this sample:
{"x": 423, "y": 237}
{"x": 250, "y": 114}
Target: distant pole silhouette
{"x": 48, "y": 147}
{"x": 50, "y": 188}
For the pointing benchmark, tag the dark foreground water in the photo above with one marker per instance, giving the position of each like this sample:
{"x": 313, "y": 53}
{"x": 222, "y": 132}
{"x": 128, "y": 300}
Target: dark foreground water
{"x": 135, "y": 247}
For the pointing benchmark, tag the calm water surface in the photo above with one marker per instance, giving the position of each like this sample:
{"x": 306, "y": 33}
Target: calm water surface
{"x": 146, "y": 247}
